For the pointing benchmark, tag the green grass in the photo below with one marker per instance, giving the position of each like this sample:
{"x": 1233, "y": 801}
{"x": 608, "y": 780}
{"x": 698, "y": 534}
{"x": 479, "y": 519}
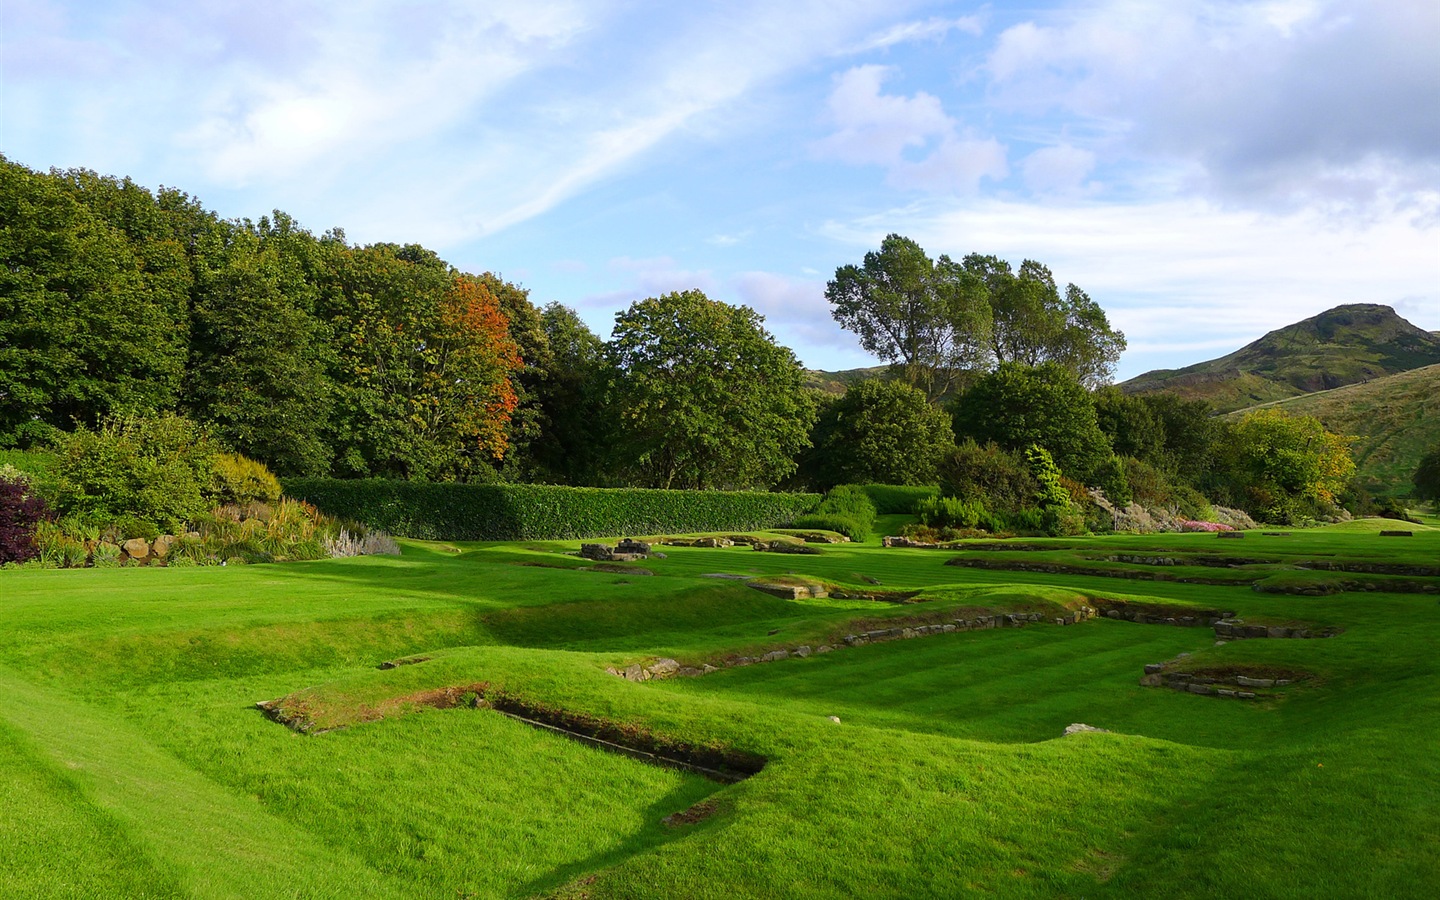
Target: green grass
{"x": 134, "y": 764}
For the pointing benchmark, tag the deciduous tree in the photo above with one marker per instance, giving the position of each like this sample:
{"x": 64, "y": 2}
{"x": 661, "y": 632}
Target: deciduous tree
{"x": 882, "y": 432}
{"x": 704, "y": 397}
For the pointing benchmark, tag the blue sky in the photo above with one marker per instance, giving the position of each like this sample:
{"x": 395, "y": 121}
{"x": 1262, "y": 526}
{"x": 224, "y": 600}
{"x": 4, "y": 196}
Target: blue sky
{"x": 1205, "y": 170}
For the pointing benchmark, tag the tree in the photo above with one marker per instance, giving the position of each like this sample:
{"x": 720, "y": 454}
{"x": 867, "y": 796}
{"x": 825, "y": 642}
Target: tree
{"x": 1130, "y": 424}
{"x": 1034, "y": 324}
{"x": 703, "y": 397}
{"x": 1427, "y": 477}
{"x": 574, "y": 426}
{"x": 88, "y": 325}
{"x": 931, "y": 318}
{"x": 423, "y": 366}
{"x": 1282, "y": 467}
{"x": 882, "y": 432}
{"x": 1016, "y": 406}
{"x": 258, "y": 353}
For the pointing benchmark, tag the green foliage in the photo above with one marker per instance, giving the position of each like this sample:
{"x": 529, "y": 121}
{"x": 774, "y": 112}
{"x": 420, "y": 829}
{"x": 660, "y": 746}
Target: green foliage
{"x": 239, "y": 479}
{"x": 845, "y": 525}
{"x": 901, "y": 499}
{"x": 1427, "y": 477}
{"x": 260, "y": 353}
{"x": 469, "y": 512}
{"x": 1283, "y": 468}
{"x": 1112, "y": 478}
{"x": 1130, "y": 423}
{"x": 575, "y": 428}
{"x": 997, "y": 478}
{"x": 1016, "y": 406}
{"x": 704, "y": 397}
{"x": 953, "y": 512}
{"x": 931, "y": 318}
{"x": 154, "y": 469}
{"x": 879, "y": 431}
{"x": 92, "y": 322}
{"x": 1035, "y": 325}
{"x": 849, "y": 506}
{"x": 423, "y": 369}
{"x": 1051, "y": 493}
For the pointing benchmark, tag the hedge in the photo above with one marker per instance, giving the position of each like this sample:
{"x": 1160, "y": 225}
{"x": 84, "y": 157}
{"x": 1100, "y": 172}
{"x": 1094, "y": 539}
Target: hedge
{"x": 517, "y": 512}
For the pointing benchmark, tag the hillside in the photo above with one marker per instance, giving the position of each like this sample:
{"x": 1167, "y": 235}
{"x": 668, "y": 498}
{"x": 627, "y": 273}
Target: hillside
{"x": 1345, "y": 345}
{"x": 1395, "y": 419}
{"x": 839, "y": 382}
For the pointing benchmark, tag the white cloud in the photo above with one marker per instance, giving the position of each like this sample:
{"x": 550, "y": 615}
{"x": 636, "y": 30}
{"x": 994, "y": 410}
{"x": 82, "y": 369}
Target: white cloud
{"x": 878, "y": 129}
{"x": 1187, "y": 274}
{"x": 797, "y": 312}
{"x": 1282, "y": 104}
{"x": 1061, "y": 169}
{"x": 933, "y": 29}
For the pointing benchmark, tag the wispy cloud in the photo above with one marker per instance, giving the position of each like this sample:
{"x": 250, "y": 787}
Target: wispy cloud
{"x": 933, "y": 29}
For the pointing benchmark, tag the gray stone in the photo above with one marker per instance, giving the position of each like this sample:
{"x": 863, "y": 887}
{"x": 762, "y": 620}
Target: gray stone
{"x": 137, "y": 549}
{"x": 1224, "y": 692}
{"x": 707, "y": 669}
{"x": 663, "y": 668}
{"x": 823, "y": 648}
{"x": 1246, "y": 681}
{"x": 802, "y": 652}
{"x": 1079, "y": 727}
{"x": 835, "y": 719}
{"x": 775, "y": 656}
{"x": 1245, "y": 695}
{"x": 1152, "y": 668}
{"x": 689, "y": 672}
{"x": 1201, "y": 689}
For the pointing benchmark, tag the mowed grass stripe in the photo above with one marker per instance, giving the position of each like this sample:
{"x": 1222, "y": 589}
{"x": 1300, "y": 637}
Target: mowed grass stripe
{"x": 208, "y": 841}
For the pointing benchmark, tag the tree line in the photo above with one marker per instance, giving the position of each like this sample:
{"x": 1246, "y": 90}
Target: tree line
{"x": 319, "y": 357}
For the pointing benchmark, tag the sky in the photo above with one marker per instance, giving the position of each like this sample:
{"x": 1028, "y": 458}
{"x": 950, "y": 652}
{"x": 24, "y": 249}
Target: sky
{"x": 1206, "y": 171}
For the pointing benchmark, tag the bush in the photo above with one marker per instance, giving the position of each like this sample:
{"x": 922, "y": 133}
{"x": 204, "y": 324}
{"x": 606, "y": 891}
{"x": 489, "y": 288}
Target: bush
{"x": 845, "y": 525}
{"x": 239, "y": 479}
{"x": 1111, "y": 478}
{"x": 105, "y": 555}
{"x": 21, "y": 512}
{"x": 897, "y": 499}
{"x": 999, "y": 480}
{"x": 850, "y": 505}
{"x": 1052, "y": 493}
{"x": 154, "y": 470}
{"x": 952, "y": 512}
{"x": 510, "y": 512}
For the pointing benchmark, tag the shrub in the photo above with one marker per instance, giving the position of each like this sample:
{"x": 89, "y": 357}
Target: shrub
{"x": 153, "y": 470}
{"x": 996, "y": 478}
{"x": 952, "y": 512}
{"x": 1052, "y": 493}
{"x": 847, "y": 505}
{"x": 239, "y": 479}
{"x": 1111, "y": 478}
{"x": 893, "y": 499}
{"x": 508, "y": 512}
{"x": 21, "y": 511}
{"x": 106, "y": 555}
{"x": 845, "y": 525}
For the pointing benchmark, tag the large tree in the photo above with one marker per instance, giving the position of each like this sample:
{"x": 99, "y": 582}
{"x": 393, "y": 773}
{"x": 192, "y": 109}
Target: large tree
{"x": 882, "y": 432}
{"x": 1034, "y": 323}
{"x": 929, "y": 317}
{"x": 258, "y": 353}
{"x": 1281, "y": 467}
{"x": 574, "y": 427}
{"x": 90, "y": 322}
{"x": 423, "y": 366}
{"x": 703, "y": 396}
{"x": 1017, "y": 405}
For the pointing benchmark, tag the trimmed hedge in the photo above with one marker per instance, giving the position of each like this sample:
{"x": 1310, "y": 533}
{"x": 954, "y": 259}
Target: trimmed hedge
{"x": 518, "y": 512}
{"x": 890, "y": 499}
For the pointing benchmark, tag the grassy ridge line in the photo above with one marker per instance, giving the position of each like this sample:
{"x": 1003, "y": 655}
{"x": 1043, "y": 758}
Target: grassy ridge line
{"x": 519, "y": 512}
{"x": 197, "y": 835}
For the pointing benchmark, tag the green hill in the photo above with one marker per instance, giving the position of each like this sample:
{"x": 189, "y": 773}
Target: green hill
{"x": 1345, "y": 345}
{"x": 839, "y": 382}
{"x": 1395, "y": 419}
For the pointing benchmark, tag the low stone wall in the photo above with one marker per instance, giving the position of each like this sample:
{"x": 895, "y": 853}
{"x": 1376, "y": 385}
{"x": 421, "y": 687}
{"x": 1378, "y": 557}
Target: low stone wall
{"x": 1232, "y": 629}
{"x": 1237, "y": 687}
{"x": 668, "y": 668}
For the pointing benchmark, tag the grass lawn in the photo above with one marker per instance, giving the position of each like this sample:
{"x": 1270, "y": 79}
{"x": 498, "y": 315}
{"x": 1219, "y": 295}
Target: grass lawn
{"x": 133, "y": 762}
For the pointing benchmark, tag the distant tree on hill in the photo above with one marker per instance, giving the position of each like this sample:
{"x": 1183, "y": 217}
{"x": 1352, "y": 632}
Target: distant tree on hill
{"x": 1427, "y": 477}
{"x": 882, "y": 432}
{"x": 703, "y": 397}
